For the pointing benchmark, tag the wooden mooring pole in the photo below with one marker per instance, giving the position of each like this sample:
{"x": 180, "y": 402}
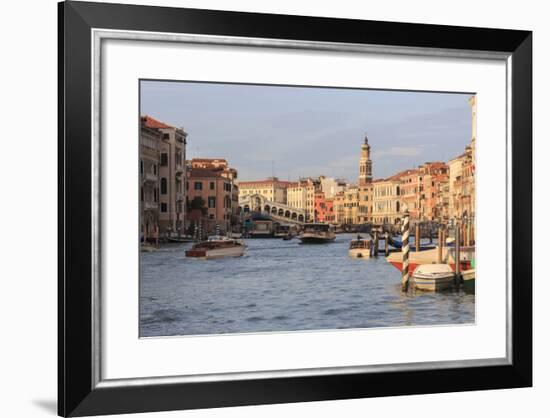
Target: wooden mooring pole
{"x": 457, "y": 250}
{"x": 468, "y": 234}
{"x": 417, "y": 237}
{"x": 376, "y": 243}
{"x": 386, "y": 244}
{"x": 405, "y": 252}
{"x": 440, "y": 245}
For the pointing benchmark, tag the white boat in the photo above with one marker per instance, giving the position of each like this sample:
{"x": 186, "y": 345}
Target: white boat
{"x": 217, "y": 247}
{"x": 317, "y": 233}
{"x": 433, "y": 277}
{"x": 360, "y": 248}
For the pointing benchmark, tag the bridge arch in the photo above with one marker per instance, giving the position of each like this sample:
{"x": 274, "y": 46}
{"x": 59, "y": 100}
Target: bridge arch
{"x": 261, "y": 204}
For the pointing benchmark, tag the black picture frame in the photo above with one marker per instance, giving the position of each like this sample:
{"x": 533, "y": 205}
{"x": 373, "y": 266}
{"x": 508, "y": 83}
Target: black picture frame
{"x": 76, "y": 391}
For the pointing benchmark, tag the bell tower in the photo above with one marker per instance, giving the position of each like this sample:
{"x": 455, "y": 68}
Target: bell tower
{"x": 365, "y": 164}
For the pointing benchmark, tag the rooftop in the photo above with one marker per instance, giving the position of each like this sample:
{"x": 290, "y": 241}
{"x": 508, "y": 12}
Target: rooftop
{"x": 151, "y": 122}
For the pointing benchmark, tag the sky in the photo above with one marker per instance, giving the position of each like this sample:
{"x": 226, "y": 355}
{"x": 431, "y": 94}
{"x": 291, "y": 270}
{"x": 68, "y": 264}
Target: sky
{"x": 293, "y": 132}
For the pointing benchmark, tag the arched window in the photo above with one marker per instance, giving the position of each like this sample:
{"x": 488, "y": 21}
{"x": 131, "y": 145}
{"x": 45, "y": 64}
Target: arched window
{"x": 163, "y": 186}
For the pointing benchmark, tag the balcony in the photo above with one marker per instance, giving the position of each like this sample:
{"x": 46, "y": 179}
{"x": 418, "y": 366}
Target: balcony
{"x": 150, "y": 178}
{"x": 150, "y": 205}
{"x": 180, "y": 169}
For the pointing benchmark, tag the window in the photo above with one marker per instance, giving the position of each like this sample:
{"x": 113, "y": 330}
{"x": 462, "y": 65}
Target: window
{"x": 142, "y": 195}
{"x": 186, "y": 185}
{"x": 156, "y": 195}
{"x": 163, "y": 207}
{"x": 154, "y": 169}
{"x": 165, "y": 136}
{"x": 198, "y": 185}
{"x": 212, "y": 185}
{"x": 211, "y": 216}
{"x": 164, "y": 159}
{"x": 163, "y": 185}
{"x": 211, "y": 202}
{"x": 141, "y": 166}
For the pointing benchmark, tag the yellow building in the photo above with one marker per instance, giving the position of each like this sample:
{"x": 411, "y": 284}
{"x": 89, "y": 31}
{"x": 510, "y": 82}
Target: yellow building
{"x": 386, "y": 200}
{"x": 365, "y": 203}
{"x": 354, "y": 205}
{"x": 301, "y": 195}
{"x": 272, "y": 189}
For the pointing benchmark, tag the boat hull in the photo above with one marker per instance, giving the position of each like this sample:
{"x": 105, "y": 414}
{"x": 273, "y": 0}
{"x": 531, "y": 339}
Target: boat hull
{"x": 212, "y": 254}
{"x": 469, "y": 280}
{"x": 412, "y": 265}
{"x": 433, "y": 283}
{"x": 359, "y": 253}
{"x": 316, "y": 240}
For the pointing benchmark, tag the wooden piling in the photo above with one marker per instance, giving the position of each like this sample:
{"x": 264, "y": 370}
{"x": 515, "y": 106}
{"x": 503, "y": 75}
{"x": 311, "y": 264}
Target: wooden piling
{"x": 417, "y": 237}
{"x": 376, "y": 243}
{"x": 386, "y": 244}
{"x": 157, "y": 235}
{"x": 457, "y": 250}
{"x": 405, "y": 252}
{"x": 440, "y": 245}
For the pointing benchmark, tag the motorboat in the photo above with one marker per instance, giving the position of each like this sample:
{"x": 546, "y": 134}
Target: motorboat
{"x": 360, "y": 248}
{"x": 429, "y": 256}
{"x": 317, "y": 233}
{"x": 281, "y": 230}
{"x": 217, "y": 247}
{"x": 433, "y": 277}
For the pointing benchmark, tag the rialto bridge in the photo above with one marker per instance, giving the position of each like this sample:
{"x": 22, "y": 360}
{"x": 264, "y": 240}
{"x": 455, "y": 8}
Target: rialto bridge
{"x": 260, "y": 204}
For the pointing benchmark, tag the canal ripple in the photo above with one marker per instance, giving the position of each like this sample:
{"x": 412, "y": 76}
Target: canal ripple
{"x": 283, "y": 286}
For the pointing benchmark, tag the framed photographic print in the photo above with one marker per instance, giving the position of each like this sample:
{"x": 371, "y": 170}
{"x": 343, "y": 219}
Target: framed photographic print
{"x": 265, "y": 208}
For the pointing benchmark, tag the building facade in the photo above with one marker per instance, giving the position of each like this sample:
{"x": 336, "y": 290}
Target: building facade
{"x": 301, "y": 195}
{"x": 387, "y": 208}
{"x": 331, "y": 186}
{"x": 149, "y": 156}
{"x": 172, "y": 174}
{"x": 272, "y": 189}
{"x": 212, "y": 194}
{"x": 324, "y": 208}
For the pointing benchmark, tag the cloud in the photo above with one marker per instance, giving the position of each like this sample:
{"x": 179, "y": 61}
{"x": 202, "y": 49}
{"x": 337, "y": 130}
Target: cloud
{"x": 397, "y": 152}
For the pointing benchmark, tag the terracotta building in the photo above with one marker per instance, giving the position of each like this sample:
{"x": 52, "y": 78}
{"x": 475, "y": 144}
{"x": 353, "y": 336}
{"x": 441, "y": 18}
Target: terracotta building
{"x": 324, "y": 208}
{"x": 212, "y": 194}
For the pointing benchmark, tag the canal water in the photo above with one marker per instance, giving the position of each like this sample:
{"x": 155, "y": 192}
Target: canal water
{"x": 284, "y": 286}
